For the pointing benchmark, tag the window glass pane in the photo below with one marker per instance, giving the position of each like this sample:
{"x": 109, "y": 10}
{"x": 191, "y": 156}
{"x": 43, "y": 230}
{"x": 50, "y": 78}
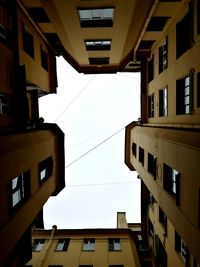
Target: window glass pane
{"x": 85, "y": 14}
{"x": 187, "y": 109}
{"x": 96, "y": 14}
{"x": 108, "y": 13}
{"x": 187, "y": 90}
{"x": 14, "y": 182}
{"x": 187, "y": 81}
{"x": 187, "y": 100}
{"x": 42, "y": 174}
{"x": 16, "y": 197}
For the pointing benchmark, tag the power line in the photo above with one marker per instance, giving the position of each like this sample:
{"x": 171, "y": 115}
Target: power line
{"x": 74, "y": 99}
{"x": 93, "y": 148}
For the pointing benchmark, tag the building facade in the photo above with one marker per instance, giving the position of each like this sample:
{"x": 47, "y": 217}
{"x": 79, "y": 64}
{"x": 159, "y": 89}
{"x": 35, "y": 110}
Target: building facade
{"x": 163, "y": 146}
{"x": 85, "y": 247}
{"x": 31, "y": 151}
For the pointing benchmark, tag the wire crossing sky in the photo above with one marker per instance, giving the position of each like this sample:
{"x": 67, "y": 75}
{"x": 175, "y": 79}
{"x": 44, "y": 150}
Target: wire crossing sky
{"x": 92, "y": 110}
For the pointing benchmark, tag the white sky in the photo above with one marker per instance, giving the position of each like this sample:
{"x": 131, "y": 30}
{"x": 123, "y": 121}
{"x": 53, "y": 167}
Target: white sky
{"x": 89, "y": 109}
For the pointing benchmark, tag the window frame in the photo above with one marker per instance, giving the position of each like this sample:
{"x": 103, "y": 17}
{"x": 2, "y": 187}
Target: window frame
{"x": 114, "y": 244}
{"x": 4, "y": 104}
{"x": 141, "y": 155}
{"x": 45, "y": 169}
{"x": 163, "y": 55}
{"x": 62, "y": 244}
{"x": 184, "y": 95}
{"x": 19, "y": 187}
{"x": 151, "y": 106}
{"x": 88, "y": 244}
{"x": 163, "y": 102}
{"x": 37, "y": 245}
{"x": 171, "y": 182}
{"x": 28, "y": 41}
{"x": 98, "y": 45}
{"x": 152, "y": 165}
{"x": 181, "y": 248}
{"x": 96, "y": 17}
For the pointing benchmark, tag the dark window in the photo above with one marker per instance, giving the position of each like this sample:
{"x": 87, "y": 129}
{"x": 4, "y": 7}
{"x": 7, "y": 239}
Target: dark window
{"x": 114, "y": 244}
{"x": 141, "y": 155}
{"x": 44, "y": 58}
{"x": 85, "y": 265}
{"x": 55, "y": 265}
{"x": 134, "y": 149}
{"x": 163, "y": 219}
{"x": 3, "y": 34}
{"x": 198, "y": 89}
{"x": 119, "y": 265}
{"x": 170, "y": 0}
{"x": 152, "y": 164}
{"x": 171, "y": 182}
{"x": 198, "y": 16}
{"x": 88, "y": 244}
{"x": 163, "y": 56}
{"x": 98, "y": 17}
{"x": 62, "y": 244}
{"x": 45, "y": 169}
{"x": 183, "y": 35}
{"x": 146, "y": 44}
{"x": 38, "y": 14}
{"x": 99, "y": 60}
{"x": 150, "y": 228}
{"x": 151, "y": 69}
{"x": 151, "y": 199}
{"x": 184, "y": 95}
{"x": 28, "y": 44}
{"x": 163, "y": 103}
{"x": 157, "y": 23}
{"x": 199, "y": 207}
{"x": 161, "y": 255}
{"x": 20, "y": 189}
{"x": 38, "y": 244}
{"x": 151, "y": 106}
{"x": 4, "y": 104}
{"x": 182, "y": 249}
{"x": 97, "y": 45}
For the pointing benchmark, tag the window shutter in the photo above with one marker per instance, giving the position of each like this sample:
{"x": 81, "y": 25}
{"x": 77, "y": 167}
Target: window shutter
{"x": 177, "y": 188}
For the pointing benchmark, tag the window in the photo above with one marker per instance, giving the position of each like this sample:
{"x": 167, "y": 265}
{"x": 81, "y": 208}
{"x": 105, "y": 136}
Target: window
{"x": 150, "y": 228}
{"x": 3, "y": 34}
{"x": 163, "y": 219}
{"x": 38, "y": 244}
{"x": 152, "y": 164}
{"x": 99, "y": 60}
{"x": 151, "y": 199}
{"x": 55, "y": 265}
{"x": 62, "y": 244}
{"x": 163, "y": 56}
{"x": 151, "y": 106}
{"x": 183, "y": 35}
{"x": 161, "y": 255}
{"x": 88, "y": 244}
{"x": 141, "y": 155}
{"x": 151, "y": 69}
{"x": 134, "y": 149}
{"x": 114, "y": 244}
{"x": 163, "y": 103}
{"x": 157, "y": 23}
{"x": 96, "y": 45}
{"x": 20, "y": 189}
{"x": 181, "y": 248}
{"x": 45, "y": 169}
{"x": 4, "y": 104}
{"x": 171, "y": 181}
{"x": 184, "y": 96}
{"x": 198, "y": 89}
{"x": 119, "y": 265}
{"x": 27, "y": 39}
{"x": 44, "y": 58}
{"x": 102, "y": 17}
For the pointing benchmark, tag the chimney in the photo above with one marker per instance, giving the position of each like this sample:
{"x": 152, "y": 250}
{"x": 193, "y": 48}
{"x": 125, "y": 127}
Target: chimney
{"x": 121, "y": 220}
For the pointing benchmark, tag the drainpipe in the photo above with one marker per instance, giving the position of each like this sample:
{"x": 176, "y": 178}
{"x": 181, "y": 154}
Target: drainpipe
{"x": 45, "y": 252}
{"x": 144, "y": 27}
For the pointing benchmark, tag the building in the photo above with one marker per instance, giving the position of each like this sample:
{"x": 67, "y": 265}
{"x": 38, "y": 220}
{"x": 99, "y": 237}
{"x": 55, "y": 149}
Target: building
{"x": 31, "y": 151}
{"x": 85, "y": 247}
{"x": 164, "y": 145}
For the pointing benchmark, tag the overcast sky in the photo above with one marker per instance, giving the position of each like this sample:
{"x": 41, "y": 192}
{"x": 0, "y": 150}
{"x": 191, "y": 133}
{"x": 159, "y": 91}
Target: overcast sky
{"x": 92, "y": 111}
